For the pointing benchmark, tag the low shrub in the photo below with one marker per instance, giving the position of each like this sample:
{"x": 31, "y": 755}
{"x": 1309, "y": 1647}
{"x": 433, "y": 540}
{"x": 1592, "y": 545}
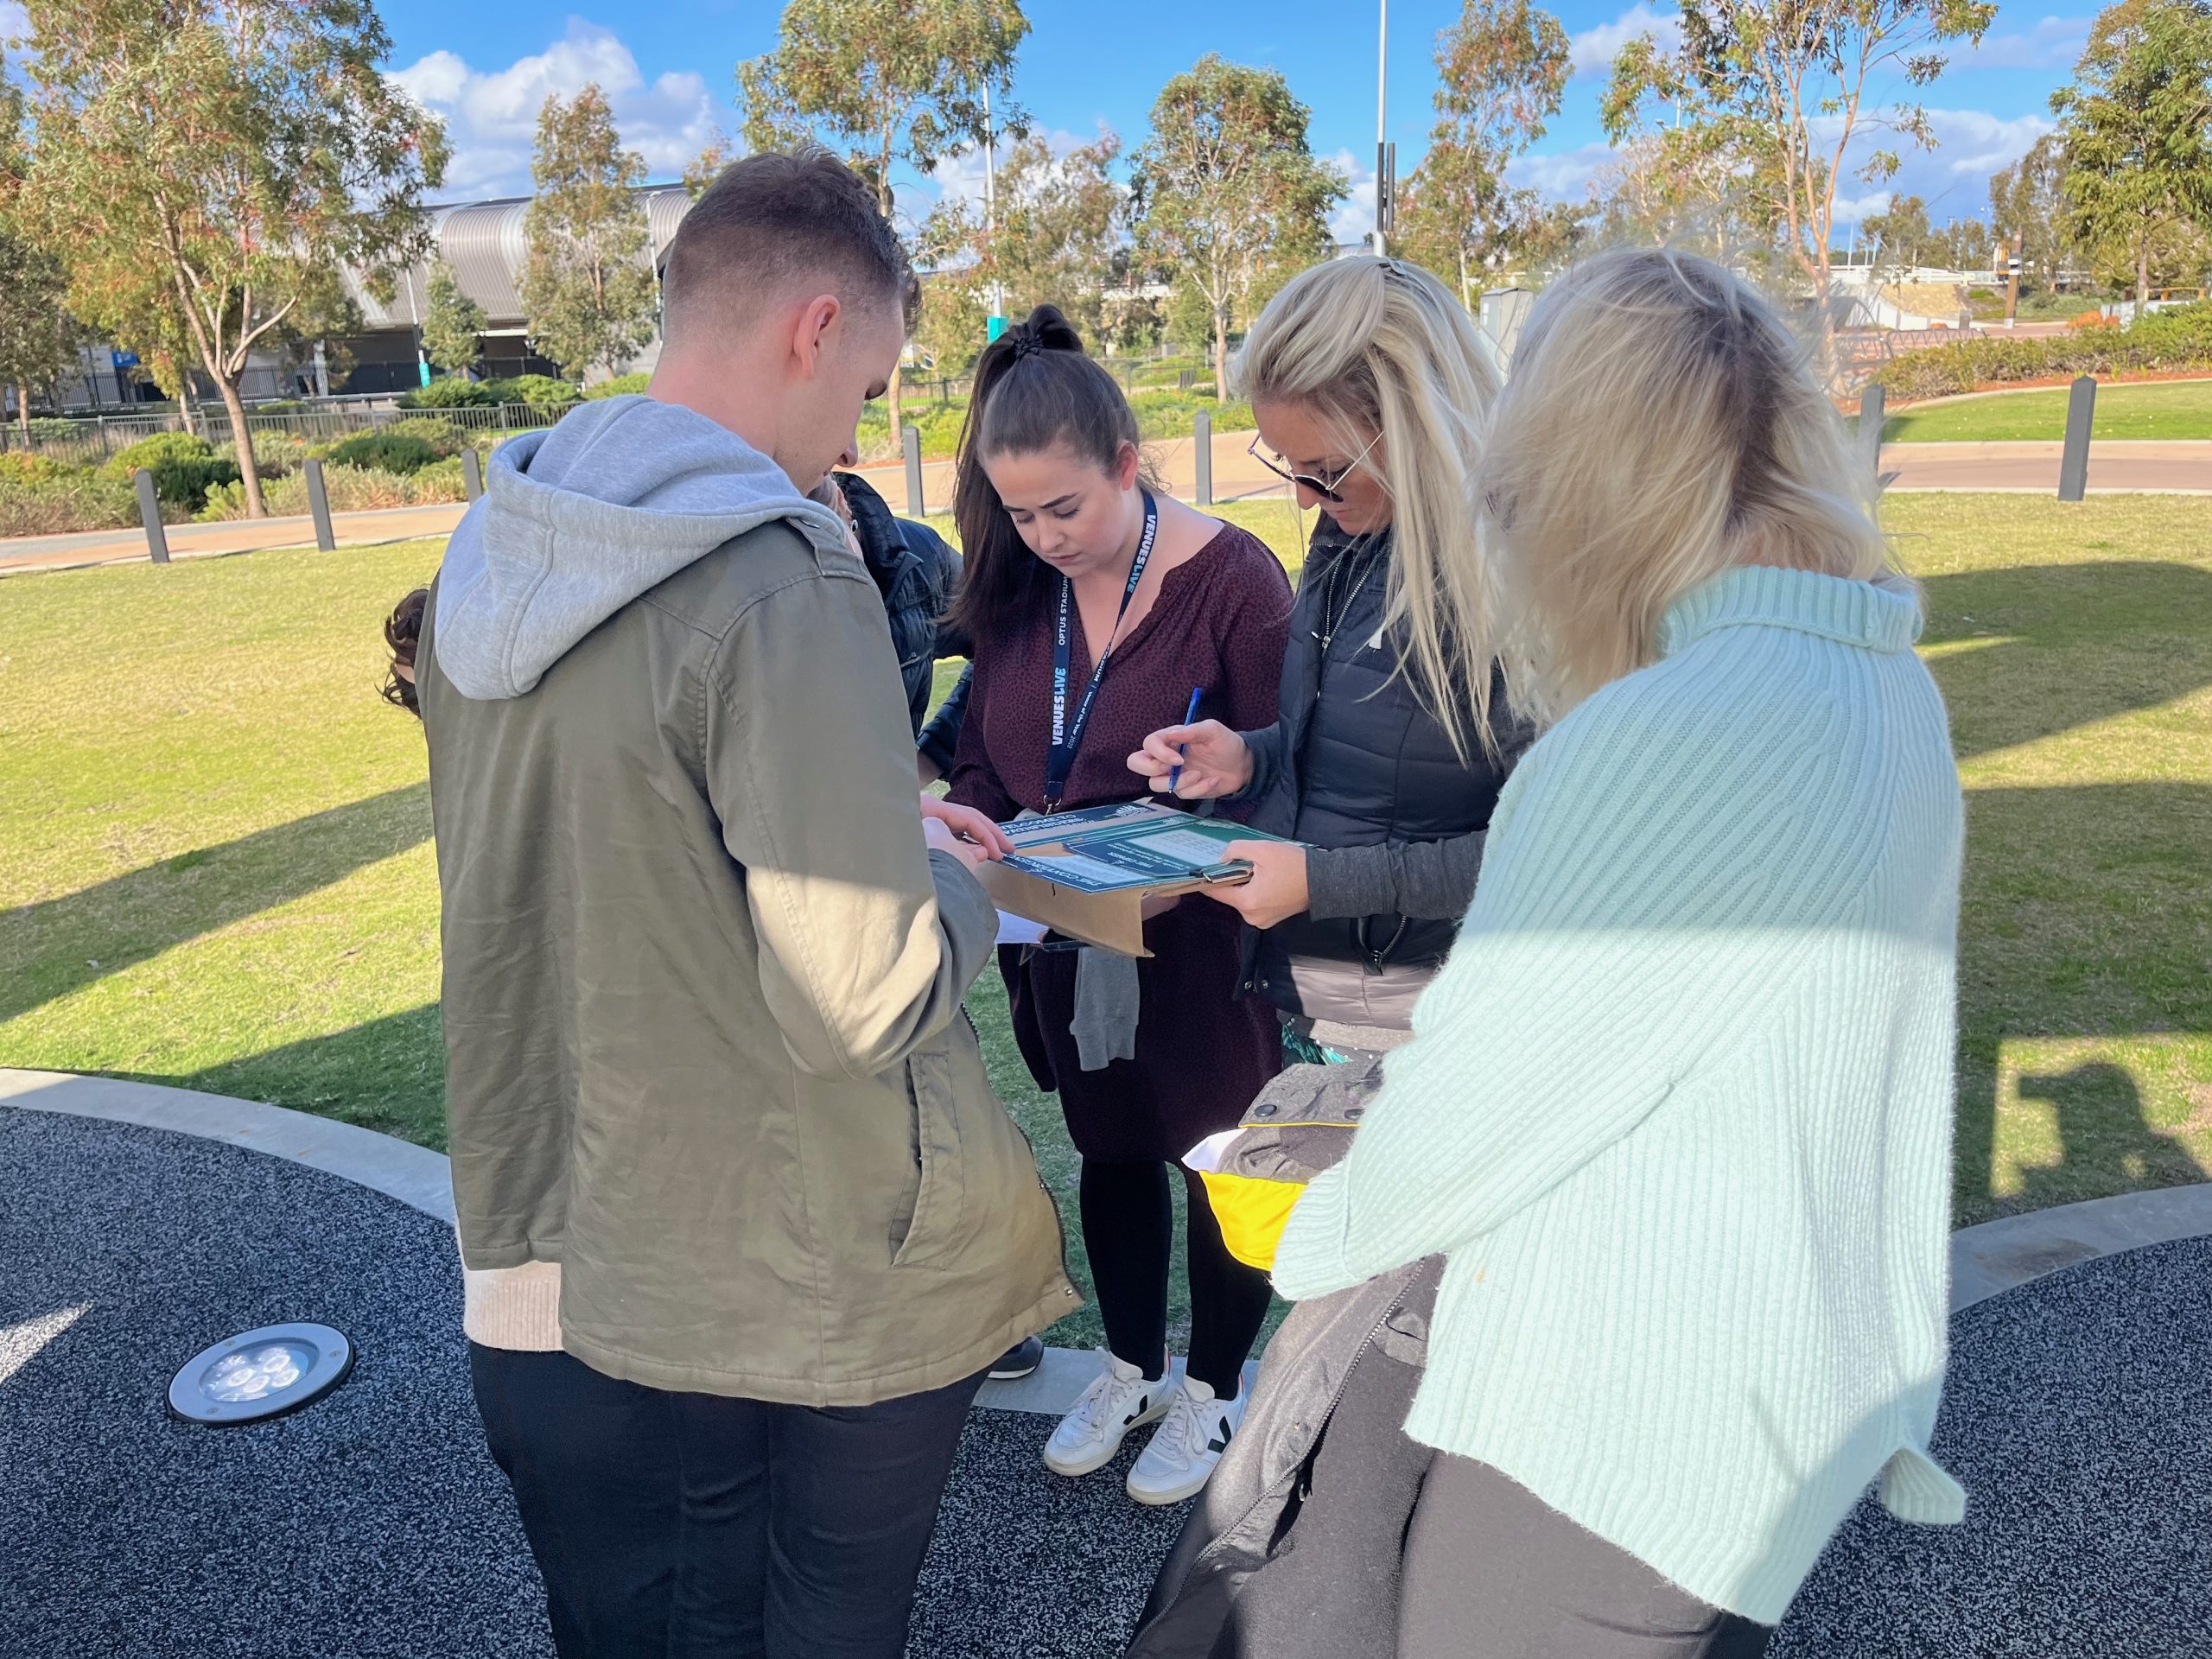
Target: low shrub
{"x": 539, "y": 390}
{"x": 277, "y": 451}
{"x": 185, "y": 467}
{"x": 151, "y": 451}
{"x": 384, "y": 450}
{"x": 350, "y": 489}
{"x": 445, "y": 437}
{"x": 28, "y": 467}
{"x": 620, "y": 385}
{"x": 453, "y": 392}
{"x": 2178, "y": 340}
{"x": 44, "y": 427}
{"x": 1166, "y": 414}
{"x": 54, "y": 505}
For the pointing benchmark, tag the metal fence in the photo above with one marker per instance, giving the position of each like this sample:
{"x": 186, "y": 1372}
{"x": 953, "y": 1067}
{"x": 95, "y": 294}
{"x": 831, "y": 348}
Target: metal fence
{"x": 97, "y": 438}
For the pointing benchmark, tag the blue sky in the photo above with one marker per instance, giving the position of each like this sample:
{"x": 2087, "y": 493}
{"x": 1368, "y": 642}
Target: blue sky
{"x": 488, "y": 65}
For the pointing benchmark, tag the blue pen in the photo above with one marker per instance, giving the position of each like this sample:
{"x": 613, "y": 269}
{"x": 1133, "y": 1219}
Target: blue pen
{"x": 1175, "y": 776}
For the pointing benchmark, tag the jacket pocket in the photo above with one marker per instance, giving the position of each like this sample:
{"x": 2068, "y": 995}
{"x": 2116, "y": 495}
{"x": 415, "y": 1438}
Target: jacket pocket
{"x": 939, "y": 1223}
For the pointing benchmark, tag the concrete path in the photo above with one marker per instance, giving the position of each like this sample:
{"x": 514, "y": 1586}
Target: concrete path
{"x": 206, "y": 541}
{"x": 2115, "y": 466}
{"x": 2078, "y": 1414}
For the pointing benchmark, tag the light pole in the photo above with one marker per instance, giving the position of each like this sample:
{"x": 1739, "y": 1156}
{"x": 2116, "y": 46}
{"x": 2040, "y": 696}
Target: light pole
{"x": 1382, "y": 147}
{"x": 995, "y": 324}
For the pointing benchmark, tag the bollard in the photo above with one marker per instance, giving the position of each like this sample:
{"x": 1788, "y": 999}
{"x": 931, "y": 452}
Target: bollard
{"x": 911, "y": 438}
{"x": 2074, "y": 464}
{"x": 1202, "y": 439}
{"x": 319, "y": 507}
{"x": 149, "y": 510}
{"x": 1872, "y": 402}
{"x": 472, "y": 473}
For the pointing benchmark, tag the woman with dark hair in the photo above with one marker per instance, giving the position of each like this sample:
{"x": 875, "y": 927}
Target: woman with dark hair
{"x": 402, "y": 629}
{"x": 1096, "y": 605}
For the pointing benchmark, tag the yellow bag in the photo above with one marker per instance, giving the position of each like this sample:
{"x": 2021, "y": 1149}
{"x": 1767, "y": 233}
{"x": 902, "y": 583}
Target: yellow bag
{"x": 1252, "y": 1213}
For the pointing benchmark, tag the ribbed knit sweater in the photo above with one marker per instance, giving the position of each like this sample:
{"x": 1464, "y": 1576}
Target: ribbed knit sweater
{"x": 1678, "y": 1110}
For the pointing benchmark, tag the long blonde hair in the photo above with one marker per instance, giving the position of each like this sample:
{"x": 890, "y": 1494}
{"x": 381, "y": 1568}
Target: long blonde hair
{"x": 1375, "y": 345}
{"x": 1660, "y": 425}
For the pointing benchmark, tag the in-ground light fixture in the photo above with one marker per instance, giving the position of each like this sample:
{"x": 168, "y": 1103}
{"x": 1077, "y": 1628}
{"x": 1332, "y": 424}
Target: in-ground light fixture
{"x": 257, "y": 1375}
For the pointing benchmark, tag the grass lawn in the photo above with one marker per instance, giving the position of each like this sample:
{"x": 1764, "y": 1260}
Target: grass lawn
{"x": 219, "y": 874}
{"x": 2178, "y": 409}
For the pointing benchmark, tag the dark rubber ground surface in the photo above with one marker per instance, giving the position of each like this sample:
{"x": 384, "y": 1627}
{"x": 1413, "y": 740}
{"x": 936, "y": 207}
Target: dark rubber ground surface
{"x": 2079, "y": 1416}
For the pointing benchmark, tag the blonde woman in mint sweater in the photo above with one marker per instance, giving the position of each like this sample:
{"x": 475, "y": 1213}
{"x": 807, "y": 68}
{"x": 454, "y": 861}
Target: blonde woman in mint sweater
{"x": 1677, "y": 1111}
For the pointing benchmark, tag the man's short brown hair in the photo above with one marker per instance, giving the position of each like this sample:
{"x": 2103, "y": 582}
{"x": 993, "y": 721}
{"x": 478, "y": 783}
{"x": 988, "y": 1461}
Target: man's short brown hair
{"x": 775, "y": 221}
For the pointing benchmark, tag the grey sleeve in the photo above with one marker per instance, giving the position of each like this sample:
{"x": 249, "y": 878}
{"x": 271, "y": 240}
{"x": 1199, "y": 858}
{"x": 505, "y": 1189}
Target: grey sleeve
{"x": 1426, "y": 880}
{"x": 1265, "y": 748}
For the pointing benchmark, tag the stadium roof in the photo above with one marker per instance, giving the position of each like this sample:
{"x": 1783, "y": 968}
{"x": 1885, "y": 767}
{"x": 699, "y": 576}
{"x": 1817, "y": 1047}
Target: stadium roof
{"x": 483, "y": 243}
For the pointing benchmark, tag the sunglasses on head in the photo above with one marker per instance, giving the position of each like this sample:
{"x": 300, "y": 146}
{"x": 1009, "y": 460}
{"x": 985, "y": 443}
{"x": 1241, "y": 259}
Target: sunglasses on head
{"x": 1325, "y": 488}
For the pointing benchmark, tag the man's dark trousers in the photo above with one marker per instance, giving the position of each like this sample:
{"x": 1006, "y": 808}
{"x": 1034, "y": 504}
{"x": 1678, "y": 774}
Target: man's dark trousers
{"x": 690, "y": 1526}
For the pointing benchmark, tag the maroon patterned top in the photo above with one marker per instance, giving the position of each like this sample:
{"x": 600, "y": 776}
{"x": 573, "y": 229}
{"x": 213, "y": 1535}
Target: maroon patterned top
{"x": 1219, "y": 623}
{"x": 1203, "y": 1051}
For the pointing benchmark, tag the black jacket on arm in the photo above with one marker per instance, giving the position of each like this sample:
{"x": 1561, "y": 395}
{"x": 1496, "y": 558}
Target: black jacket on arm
{"x": 916, "y": 572}
{"x": 1361, "y": 770}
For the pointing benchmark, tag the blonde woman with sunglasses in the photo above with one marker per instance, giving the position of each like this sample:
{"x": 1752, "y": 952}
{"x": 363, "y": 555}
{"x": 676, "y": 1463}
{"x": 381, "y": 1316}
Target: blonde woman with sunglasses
{"x": 1677, "y": 1112}
{"x": 1371, "y": 392}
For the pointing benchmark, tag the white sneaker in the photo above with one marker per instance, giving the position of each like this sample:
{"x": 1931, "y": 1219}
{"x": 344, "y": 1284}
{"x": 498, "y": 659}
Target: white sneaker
{"x": 1186, "y": 1447}
{"x": 1121, "y": 1399}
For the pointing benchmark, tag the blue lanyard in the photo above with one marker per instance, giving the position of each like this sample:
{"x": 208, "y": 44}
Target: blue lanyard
{"x": 1067, "y": 735}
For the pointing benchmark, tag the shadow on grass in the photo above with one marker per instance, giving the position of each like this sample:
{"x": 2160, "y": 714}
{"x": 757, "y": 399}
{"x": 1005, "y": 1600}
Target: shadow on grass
{"x": 387, "y": 1075}
{"x": 2083, "y": 908}
{"x": 60, "y": 945}
{"x": 2079, "y": 643}
{"x": 2085, "y": 915}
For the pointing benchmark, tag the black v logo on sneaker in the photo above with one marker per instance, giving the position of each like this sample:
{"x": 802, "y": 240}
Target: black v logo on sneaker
{"x": 1223, "y": 1435}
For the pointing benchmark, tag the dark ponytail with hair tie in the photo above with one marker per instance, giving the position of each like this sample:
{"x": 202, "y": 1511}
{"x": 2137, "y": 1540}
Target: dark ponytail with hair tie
{"x": 1035, "y": 389}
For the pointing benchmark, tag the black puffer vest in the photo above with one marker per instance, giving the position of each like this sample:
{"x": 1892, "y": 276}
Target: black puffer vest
{"x": 1365, "y": 763}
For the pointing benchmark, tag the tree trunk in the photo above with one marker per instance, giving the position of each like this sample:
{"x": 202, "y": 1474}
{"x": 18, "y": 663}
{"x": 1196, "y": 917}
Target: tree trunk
{"x": 23, "y": 410}
{"x": 887, "y": 203}
{"x": 2142, "y": 271}
{"x": 188, "y": 408}
{"x": 1220, "y": 350}
{"x": 242, "y": 440}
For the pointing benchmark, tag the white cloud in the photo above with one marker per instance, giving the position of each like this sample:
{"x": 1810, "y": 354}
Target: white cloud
{"x": 1953, "y": 178}
{"x": 1559, "y": 176}
{"x": 1354, "y": 216}
{"x": 1593, "y": 51}
{"x": 492, "y": 116}
{"x": 2054, "y": 43}
{"x": 1857, "y": 210}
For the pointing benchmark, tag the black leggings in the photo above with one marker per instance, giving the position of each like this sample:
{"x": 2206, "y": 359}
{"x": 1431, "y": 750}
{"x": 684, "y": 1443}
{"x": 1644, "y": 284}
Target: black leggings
{"x": 1128, "y": 1224}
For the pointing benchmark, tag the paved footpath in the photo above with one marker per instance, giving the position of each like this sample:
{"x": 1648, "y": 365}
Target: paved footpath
{"x": 2118, "y": 467}
{"x": 142, "y": 1224}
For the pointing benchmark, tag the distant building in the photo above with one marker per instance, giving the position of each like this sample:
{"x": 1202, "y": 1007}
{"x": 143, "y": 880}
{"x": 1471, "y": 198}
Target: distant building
{"x": 483, "y": 243}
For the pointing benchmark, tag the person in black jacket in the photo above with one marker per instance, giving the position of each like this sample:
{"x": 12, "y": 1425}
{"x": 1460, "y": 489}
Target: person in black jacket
{"x": 1370, "y": 387}
{"x": 918, "y": 572}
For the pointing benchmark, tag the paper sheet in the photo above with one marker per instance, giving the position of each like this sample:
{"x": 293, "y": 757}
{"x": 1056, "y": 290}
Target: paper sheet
{"x": 1019, "y": 930}
{"x": 1205, "y": 1157}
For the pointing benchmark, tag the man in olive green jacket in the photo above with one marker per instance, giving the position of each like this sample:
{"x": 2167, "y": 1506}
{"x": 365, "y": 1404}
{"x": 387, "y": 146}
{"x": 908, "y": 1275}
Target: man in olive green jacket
{"x": 720, "y": 1128}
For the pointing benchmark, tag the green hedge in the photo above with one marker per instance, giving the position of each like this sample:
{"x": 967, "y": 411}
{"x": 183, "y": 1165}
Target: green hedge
{"x": 539, "y": 390}
{"x": 621, "y": 386}
{"x": 185, "y": 467}
{"x": 2158, "y": 342}
{"x": 384, "y": 451}
{"x": 54, "y": 505}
